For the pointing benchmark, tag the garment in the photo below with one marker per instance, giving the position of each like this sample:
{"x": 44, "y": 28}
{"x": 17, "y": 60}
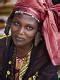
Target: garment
{"x": 39, "y": 62}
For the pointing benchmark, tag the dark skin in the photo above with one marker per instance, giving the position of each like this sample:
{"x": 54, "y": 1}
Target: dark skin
{"x": 23, "y": 31}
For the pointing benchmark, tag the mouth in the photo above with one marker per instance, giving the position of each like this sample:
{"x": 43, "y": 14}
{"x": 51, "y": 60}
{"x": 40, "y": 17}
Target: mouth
{"x": 19, "y": 39}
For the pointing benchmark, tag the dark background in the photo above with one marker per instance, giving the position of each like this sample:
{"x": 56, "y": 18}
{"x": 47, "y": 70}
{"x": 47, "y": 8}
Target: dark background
{"x": 56, "y": 1}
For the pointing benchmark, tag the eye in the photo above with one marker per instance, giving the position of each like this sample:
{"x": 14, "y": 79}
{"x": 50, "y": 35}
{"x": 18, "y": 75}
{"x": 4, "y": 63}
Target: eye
{"x": 15, "y": 23}
{"x": 29, "y": 27}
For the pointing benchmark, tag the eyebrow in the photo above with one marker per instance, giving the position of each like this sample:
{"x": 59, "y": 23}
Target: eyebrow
{"x": 19, "y": 21}
{"x": 15, "y": 19}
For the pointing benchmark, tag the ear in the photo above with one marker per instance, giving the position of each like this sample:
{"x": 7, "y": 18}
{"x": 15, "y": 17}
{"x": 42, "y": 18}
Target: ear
{"x": 38, "y": 38}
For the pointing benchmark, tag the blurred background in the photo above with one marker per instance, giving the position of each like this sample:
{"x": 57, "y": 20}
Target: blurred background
{"x": 5, "y": 9}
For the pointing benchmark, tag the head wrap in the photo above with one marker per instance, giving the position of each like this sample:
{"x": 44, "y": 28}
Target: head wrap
{"x": 43, "y": 10}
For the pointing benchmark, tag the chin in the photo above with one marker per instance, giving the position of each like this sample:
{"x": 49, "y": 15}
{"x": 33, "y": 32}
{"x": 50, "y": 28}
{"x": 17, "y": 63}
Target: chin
{"x": 19, "y": 44}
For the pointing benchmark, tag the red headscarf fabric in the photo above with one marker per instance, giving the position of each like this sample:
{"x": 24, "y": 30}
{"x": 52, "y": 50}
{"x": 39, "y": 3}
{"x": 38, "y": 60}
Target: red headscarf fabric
{"x": 43, "y": 10}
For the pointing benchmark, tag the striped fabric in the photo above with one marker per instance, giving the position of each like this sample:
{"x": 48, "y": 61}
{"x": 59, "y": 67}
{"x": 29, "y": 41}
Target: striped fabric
{"x": 23, "y": 67}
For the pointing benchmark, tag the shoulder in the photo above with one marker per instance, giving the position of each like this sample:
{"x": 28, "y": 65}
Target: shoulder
{"x": 2, "y": 48}
{"x": 2, "y": 41}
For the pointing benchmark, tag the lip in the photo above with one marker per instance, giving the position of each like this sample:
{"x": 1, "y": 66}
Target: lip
{"x": 19, "y": 39}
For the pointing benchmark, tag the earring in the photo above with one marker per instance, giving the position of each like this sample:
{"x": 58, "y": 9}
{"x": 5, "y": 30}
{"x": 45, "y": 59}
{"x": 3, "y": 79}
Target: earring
{"x": 38, "y": 38}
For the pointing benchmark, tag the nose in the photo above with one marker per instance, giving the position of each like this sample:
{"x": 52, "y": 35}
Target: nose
{"x": 21, "y": 31}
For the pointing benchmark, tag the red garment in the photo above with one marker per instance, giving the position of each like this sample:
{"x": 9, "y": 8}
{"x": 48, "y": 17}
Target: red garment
{"x": 43, "y": 10}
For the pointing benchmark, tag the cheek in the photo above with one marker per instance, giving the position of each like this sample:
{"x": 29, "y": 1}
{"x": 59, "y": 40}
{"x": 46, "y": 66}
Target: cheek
{"x": 13, "y": 29}
{"x": 30, "y": 35}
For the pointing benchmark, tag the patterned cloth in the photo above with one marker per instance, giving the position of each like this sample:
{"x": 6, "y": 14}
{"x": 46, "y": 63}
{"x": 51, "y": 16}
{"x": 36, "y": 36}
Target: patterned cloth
{"x": 21, "y": 67}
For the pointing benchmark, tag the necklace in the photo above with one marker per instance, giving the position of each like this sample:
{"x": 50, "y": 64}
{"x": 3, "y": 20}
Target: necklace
{"x": 20, "y": 61}
{"x": 26, "y": 53}
{"x": 22, "y": 64}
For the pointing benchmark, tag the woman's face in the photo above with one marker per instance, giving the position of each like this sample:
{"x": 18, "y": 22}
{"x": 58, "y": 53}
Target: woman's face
{"x": 23, "y": 29}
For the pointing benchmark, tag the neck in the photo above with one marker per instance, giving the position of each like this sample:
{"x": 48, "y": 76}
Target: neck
{"x": 22, "y": 51}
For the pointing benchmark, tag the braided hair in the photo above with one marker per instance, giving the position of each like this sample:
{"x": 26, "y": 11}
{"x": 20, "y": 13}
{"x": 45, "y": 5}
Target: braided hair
{"x": 8, "y": 23}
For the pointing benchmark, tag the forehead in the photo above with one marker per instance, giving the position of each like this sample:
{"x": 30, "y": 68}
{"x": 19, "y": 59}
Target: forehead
{"x": 25, "y": 17}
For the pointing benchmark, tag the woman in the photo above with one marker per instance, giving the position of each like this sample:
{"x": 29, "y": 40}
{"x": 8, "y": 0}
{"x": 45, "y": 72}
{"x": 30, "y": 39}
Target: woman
{"x": 26, "y": 53}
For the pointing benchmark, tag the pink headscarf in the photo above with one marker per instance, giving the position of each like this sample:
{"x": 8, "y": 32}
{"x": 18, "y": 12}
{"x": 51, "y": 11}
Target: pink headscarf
{"x": 43, "y": 10}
